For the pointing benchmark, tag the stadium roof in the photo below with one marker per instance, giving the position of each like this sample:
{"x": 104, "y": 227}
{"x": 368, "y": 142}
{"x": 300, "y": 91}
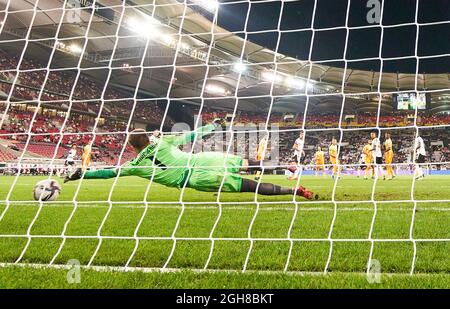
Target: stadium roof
{"x": 321, "y": 81}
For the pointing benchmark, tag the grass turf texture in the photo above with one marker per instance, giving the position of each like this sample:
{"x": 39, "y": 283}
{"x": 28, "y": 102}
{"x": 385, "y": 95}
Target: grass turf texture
{"x": 311, "y": 223}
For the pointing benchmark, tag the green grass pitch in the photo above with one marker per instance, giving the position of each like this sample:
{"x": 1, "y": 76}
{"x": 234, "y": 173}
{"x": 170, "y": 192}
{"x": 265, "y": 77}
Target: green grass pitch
{"x": 351, "y": 223}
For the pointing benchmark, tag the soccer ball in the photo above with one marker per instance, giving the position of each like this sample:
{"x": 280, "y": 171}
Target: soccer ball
{"x": 46, "y": 190}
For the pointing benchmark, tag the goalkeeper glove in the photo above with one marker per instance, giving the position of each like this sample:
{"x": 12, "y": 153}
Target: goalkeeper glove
{"x": 220, "y": 122}
{"x": 77, "y": 174}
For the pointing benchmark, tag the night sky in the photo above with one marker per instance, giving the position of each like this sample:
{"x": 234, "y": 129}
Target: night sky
{"x": 362, "y": 43}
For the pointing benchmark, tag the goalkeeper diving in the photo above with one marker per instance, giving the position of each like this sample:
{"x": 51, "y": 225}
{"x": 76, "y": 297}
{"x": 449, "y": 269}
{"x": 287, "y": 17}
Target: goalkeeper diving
{"x": 160, "y": 159}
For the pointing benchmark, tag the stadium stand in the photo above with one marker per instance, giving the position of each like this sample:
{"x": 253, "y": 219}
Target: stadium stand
{"x": 47, "y": 126}
{"x": 115, "y": 113}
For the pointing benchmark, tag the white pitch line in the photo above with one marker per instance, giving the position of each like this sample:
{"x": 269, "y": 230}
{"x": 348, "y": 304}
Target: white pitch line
{"x": 195, "y": 270}
{"x": 252, "y": 208}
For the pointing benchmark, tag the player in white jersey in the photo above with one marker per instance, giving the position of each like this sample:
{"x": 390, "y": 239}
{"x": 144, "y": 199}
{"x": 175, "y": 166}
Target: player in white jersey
{"x": 70, "y": 159}
{"x": 420, "y": 157}
{"x": 377, "y": 154}
{"x": 299, "y": 153}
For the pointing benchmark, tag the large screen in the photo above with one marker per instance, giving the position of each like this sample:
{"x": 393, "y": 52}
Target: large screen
{"x": 409, "y": 101}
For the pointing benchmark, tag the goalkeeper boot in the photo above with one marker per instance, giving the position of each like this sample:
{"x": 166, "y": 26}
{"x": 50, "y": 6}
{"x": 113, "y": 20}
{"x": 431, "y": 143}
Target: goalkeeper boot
{"x": 302, "y": 191}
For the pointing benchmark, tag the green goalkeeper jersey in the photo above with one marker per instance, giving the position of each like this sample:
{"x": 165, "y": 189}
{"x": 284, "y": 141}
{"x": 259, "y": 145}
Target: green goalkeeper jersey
{"x": 162, "y": 159}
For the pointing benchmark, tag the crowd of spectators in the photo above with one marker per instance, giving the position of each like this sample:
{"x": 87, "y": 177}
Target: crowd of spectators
{"x": 64, "y": 86}
{"x": 110, "y": 136}
{"x": 85, "y": 99}
{"x": 78, "y": 130}
{"x": 316, "y": 120}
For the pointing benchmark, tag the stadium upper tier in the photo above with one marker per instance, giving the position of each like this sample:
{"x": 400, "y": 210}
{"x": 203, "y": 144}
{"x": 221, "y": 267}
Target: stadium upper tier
{"x": 167, "y": 49}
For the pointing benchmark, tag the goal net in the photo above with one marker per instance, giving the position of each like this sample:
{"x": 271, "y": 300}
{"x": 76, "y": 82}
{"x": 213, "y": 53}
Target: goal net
{"x": 346, "y": 98}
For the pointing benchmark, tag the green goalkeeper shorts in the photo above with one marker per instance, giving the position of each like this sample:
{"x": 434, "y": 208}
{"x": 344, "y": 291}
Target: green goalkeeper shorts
{"x": 208, "y": 172}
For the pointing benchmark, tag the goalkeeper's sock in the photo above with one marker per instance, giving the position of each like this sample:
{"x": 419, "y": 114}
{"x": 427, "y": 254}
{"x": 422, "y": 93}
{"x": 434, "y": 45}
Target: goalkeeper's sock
{"x": 265, "y": 188}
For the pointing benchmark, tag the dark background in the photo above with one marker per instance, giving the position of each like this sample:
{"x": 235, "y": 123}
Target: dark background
{"x": 329, "y": 44}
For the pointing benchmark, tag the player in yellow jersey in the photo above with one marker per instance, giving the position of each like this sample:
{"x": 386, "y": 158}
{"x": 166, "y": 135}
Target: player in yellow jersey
{"x": 320, "y": 161}
{"x": 333, "y": 151}
{"x": 368, "y": 159}
{"x": 388, "y": 156}
{"x": 86, "y": 157}
{"x": 261, "y": 153}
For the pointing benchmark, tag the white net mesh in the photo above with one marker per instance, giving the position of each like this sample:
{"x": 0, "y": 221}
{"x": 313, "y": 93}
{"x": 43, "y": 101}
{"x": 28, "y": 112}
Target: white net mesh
{"x": 89, "y": 72}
